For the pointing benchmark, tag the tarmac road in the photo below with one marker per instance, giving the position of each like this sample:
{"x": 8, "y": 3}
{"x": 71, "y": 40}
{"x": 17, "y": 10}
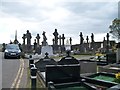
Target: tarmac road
{"x": 9, "y": 71}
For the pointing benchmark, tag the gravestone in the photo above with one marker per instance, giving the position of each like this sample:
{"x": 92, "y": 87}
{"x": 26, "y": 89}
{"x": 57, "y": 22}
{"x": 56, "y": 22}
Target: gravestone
{"x": 68, "y": 46}
{"x": 56, "y": 37}
{"x": 70, "y": 41}
{"x": 28, "y": 36}
{"x": 35, "y": 45}
{"x": 41, "y": 64}
{"x": 91, "y": 67}
{"x": 44, "y": 42}
{"x": 38, "y": 38}
{"x": 60, "y": 49}
{"x": 92, "y": 43}
{"x": 108, "y": 42}
{"x": 24, "y": 37}
{"x": 55, "y": 41}
{"x": 63, "y": 42}
{"x": 38, "y": 49}
{"x": 87, "y": 46}
{"x": 68, "y": 60}
{"x": 45, "y": 47}
{"x": 82, "y": 49}
{"x": 61, "y": 74}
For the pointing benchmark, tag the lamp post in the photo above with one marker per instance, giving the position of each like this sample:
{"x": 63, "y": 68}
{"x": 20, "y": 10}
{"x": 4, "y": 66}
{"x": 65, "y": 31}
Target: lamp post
{"x": 115, "y": 30}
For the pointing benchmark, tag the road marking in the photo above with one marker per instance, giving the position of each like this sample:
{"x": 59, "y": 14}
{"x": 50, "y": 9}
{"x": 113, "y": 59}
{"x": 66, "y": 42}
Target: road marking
{"x": 20, "y": 77}
{"x": 17, "y": 80}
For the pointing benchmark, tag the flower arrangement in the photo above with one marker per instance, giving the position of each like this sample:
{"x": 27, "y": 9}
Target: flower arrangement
{"x": 117, "y": 79}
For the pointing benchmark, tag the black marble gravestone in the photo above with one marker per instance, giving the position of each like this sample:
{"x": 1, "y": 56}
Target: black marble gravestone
{"x": 41, "y": 64}
{"x": 68, "y": 60}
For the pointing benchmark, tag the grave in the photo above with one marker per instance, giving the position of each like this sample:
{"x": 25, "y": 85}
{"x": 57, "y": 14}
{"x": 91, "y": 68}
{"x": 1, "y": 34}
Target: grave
{"x": 45, "y": 47}
{"x": 68, "y": 60}
{"x": 41, "y": 64}
{"x": 106, "y": 80}
{"x": 91, "y": 67}
{"x": 111, "y": 68}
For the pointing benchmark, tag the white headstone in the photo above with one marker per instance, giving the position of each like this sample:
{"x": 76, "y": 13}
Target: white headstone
{"x": 47, "y": 49}
{"x": 67, "y": 46}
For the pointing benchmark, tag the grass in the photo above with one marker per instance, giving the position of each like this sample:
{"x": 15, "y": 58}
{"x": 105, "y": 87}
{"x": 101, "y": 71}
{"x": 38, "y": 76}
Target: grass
{"x": 38, "y": 83}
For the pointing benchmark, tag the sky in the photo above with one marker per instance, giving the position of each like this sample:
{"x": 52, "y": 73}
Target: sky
{"x": 69, "y": 17}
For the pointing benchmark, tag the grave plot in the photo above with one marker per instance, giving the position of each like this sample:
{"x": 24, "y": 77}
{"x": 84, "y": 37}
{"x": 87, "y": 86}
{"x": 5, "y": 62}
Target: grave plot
{"x": 111, "y": 68}
{"x": 103, "y": 80}
{"x": 65, "y": 77}
{"x": 41, "y": 66}
{"x": 68, "y": 60}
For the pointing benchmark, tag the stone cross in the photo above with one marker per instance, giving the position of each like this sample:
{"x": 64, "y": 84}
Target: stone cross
{"x": 70, "y": 41}
{"x": 63, "y": 38}
{"x": 56, "y": 37}
{"x": 38, "y": 38}
{"x": 60, "y": 40}
{"x": 92, "y": 42}
{"x": 107, "y": 47}
{"x": 24, "y": 37}
{"x": 92, "y": 37}
{"x": 35, "y": 44}
{"x": 81, "y": 38}
{"x": 87, "y": 39}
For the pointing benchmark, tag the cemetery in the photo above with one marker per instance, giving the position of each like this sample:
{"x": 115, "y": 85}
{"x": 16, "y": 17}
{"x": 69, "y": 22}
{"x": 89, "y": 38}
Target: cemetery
{"x": 70, "y": 73}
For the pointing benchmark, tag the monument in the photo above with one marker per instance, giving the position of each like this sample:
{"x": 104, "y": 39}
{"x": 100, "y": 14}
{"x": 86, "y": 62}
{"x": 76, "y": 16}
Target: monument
{"x": 45, "y": 47}
{"x": 27, "y": 48}
{"x": 38, "y": 48}
{"x": 55, "y": 41}
{"x": 63, "y": 44}
{"x": 81, "y": 48}
{"x": 28, "y": 36}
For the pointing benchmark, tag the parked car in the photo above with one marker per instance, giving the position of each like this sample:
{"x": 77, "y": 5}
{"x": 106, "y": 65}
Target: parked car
{"x": 12, "y": 51}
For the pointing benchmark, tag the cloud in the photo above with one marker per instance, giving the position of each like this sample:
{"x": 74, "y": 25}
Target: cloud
{"x": 69, "y": 17}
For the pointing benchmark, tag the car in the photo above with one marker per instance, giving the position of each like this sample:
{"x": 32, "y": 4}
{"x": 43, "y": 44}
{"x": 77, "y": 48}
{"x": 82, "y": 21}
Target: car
{"x": 12, "y": 51}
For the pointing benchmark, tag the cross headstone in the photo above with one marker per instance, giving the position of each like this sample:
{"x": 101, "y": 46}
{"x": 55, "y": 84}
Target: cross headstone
{"x": 24, "y": 37}
{"x": 38, "y": 38}
{"x": 35, "y": 44}
{"x": 46, "y": 55}
{"x": 81, "y": 48}
{"x": 104, "y": 44}
{"x": 70, "y": 41}
{"x": 81, "y": 38}
{"x": 63, "y": 38}
{"x": 107, "y": 46}
{"x": 60, "y": 40}
{"x": 92, "y": 37}
{"x": 87, "y": 39}
{"x": 87, "y": 46}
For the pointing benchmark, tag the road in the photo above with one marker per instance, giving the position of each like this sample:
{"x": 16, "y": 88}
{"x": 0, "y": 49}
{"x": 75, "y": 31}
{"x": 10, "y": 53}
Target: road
{"x": 14, "y": 73}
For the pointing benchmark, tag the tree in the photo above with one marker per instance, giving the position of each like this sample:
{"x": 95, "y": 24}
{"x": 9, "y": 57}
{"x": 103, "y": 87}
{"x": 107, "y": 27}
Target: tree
{"x": 115, "y": 28}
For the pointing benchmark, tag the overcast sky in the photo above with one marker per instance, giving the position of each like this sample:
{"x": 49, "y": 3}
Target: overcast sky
{"x": 68, "y": 16}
